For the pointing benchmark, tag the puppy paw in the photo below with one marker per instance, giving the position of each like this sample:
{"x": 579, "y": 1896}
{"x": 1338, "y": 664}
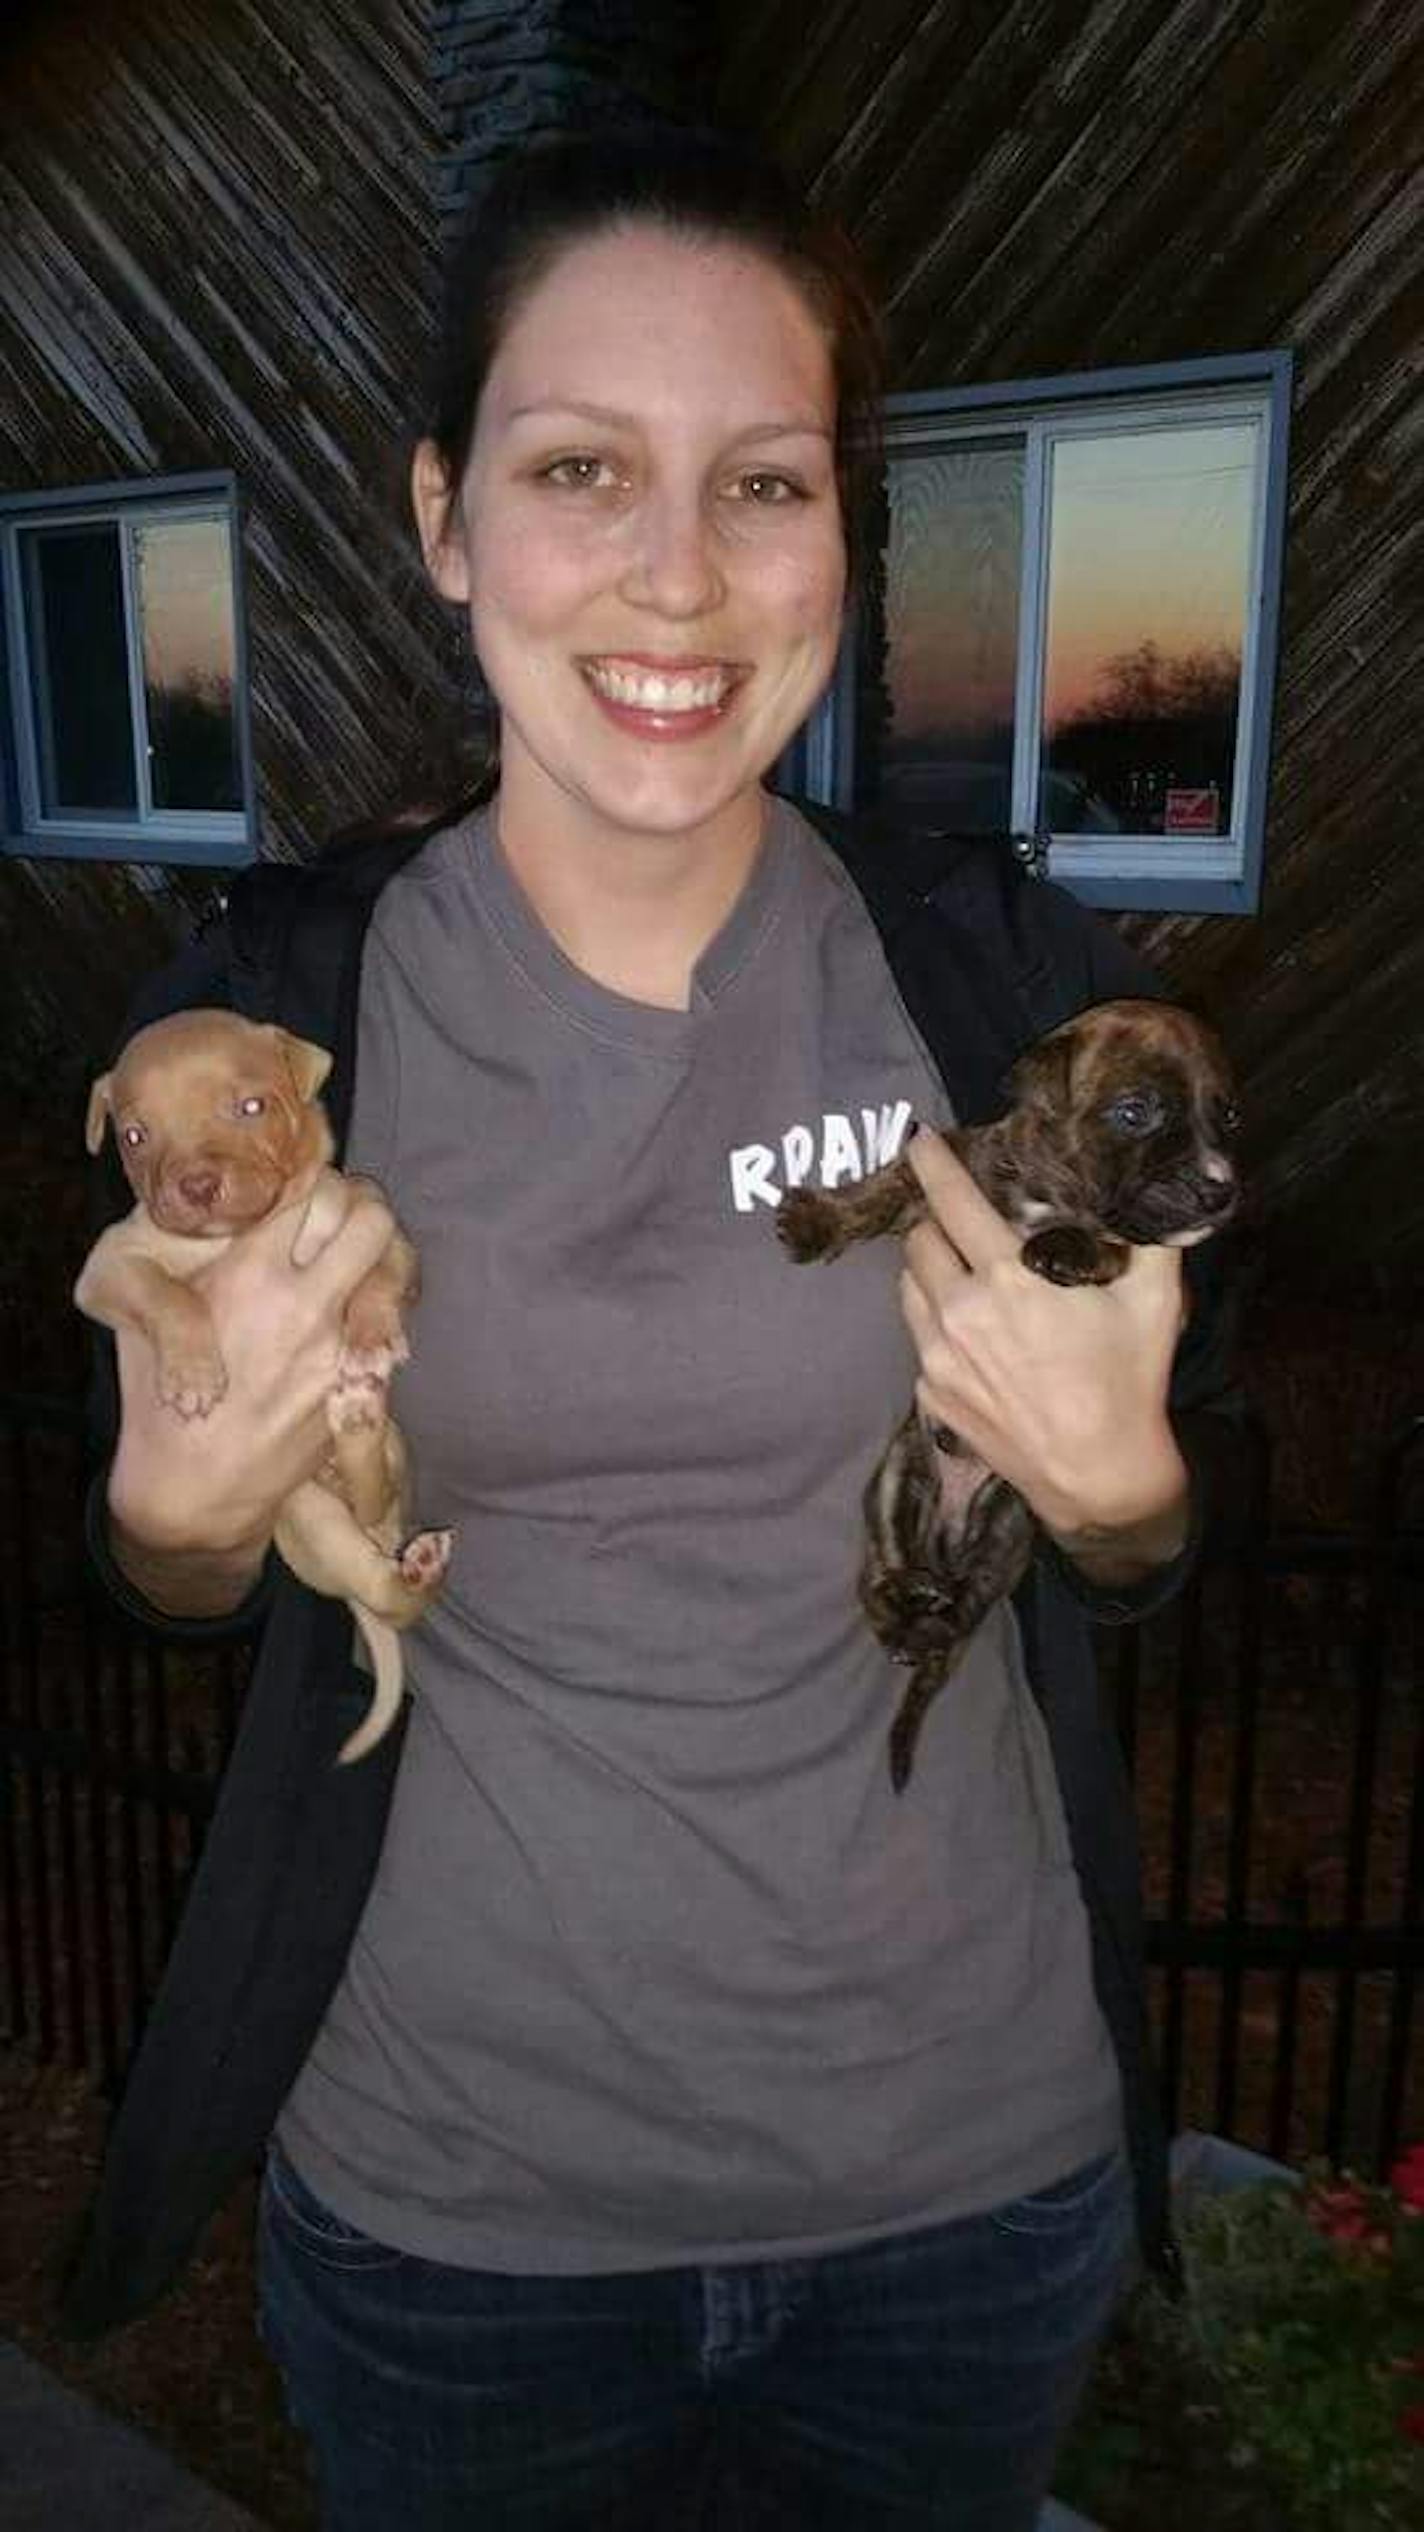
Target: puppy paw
{"x": 807, "y": 1225}
{"x": 191, "y": 1384}
{"x": 424, "y": 1560}
{"x": 356, "y": 1406}
{"x": 362, "y": 1364}
{"x": 1066, "y": 1253}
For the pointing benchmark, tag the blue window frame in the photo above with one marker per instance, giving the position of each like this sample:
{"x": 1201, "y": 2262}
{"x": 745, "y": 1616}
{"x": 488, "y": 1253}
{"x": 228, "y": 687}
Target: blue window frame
{"x": 125, "y": 723}
{"x": 1076, "y": 639}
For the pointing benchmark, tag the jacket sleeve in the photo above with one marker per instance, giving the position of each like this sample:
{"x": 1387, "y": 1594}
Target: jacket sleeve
{"x": 196, "y": 979}
{"x": 1206, "y": 1404}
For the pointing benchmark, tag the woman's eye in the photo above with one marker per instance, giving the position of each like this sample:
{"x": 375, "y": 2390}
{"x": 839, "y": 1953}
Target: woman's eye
{"x": 252, "y": 1106}
{"x": 1135, "y": 1112}
{"x": 579, "y": 473}
{"x": 768, "y": 490}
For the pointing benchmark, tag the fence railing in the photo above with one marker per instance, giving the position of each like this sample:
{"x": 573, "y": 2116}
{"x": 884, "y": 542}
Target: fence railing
{"x": 1273, "y": 1719}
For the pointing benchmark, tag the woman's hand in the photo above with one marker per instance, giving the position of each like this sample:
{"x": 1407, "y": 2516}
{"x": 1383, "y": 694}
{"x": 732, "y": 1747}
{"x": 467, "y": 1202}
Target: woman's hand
{"x": 1060, "y": 1389}
{"x": 202, "y": 1492}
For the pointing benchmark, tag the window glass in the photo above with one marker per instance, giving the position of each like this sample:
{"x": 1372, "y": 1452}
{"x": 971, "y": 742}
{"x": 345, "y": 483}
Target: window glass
{"x": 1149, "y": 563}
{"x": 942, "y": 706}
{"x": 83, "y": 724}
{"x": 183, "y": 573}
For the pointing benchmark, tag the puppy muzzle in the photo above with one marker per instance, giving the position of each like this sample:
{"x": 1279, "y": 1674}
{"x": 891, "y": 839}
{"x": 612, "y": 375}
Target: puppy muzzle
{"x": 1177, "y": 1214}
{"x": 200, "y": 1199}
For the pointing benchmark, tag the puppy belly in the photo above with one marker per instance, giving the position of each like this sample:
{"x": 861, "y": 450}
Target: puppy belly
{"x": 960, "y": 1476}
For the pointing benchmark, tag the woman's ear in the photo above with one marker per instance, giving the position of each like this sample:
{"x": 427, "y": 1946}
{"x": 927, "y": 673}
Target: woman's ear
{"x": 437, "y": 518}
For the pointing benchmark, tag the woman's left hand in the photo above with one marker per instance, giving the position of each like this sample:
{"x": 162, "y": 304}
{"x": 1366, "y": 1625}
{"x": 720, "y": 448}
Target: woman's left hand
{"x": 1060, "y": 1389}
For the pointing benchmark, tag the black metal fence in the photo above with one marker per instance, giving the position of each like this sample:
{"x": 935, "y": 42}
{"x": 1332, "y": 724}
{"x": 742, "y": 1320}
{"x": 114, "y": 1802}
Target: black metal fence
{"x": 1273, "y": 1719}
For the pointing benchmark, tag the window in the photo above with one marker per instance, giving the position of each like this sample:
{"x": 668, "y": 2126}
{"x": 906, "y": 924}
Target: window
{"x": 1078, "y": 632}
{"x": 125, "y": 667}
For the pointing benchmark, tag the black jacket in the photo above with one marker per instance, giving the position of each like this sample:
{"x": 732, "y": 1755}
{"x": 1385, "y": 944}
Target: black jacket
{"x": 986, "y": 959}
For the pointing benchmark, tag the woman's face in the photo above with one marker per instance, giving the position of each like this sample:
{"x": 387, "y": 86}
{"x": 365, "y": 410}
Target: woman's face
{"x": 648, "y": 536}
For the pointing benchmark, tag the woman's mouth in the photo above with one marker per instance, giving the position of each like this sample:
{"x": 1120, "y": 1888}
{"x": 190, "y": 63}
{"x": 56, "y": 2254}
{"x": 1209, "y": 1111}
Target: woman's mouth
{"x": 672, "y": 700}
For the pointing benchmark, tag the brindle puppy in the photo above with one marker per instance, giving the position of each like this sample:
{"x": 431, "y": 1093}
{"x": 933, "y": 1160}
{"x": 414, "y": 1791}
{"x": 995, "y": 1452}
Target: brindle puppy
{"x": 1115, "y": 1140}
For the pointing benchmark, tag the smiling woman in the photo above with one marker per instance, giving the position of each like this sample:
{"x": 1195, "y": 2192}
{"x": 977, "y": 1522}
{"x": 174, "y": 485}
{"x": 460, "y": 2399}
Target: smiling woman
{"x": 648, "y": 539}
{"x": 665, "y": 2116}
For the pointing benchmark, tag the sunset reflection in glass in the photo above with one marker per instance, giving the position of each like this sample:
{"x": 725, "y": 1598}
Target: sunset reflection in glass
{"x": 1149, "y": 559}
{"x": 184, "y": 573}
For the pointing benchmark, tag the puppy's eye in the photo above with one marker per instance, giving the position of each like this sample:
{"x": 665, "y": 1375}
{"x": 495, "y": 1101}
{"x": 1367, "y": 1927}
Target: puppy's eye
{"x": 1229, "y": 1121}
{"x": 1135, "y": 1112}
{"x": 252, "y": 1106}
{"x": 134, "y": 1137}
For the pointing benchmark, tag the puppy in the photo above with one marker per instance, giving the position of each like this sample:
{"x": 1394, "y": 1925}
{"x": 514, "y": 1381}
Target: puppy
{"x": 1116, "y": 1139}
{"x": 219, "y": 1128}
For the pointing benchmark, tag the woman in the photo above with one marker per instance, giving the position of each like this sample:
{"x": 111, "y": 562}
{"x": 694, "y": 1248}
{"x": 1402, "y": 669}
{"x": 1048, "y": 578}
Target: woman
{"x": 668, "y": 2118}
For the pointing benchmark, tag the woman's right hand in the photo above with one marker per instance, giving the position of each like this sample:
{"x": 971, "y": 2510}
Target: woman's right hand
{"x": 193, "y": 1500}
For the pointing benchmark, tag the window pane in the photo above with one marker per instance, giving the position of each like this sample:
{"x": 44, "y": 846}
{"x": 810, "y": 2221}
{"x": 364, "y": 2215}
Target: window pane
{"x": 183, "y": 572}
{"x": 83, "y": 723}
{"x": 1149, "y": 567}
{"x": 941, "y": 696}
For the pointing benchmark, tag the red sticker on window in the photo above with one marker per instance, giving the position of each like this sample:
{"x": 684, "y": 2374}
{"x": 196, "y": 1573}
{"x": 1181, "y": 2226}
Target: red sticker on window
{"x": 1192, "y": 812}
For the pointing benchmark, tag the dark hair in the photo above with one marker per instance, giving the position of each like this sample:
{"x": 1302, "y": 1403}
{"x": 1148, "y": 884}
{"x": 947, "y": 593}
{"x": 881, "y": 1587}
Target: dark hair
{"x": 555, "y": 194}
{"x": 561, "y": 193}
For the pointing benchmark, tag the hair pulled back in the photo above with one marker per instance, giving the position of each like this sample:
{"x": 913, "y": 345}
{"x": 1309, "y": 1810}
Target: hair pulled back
{"x": 551, "y": 196}
{"x": 562, "y": 193}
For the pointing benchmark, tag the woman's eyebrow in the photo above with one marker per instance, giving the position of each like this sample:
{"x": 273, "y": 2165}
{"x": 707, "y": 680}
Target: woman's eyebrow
{"x": 547, "y": 407}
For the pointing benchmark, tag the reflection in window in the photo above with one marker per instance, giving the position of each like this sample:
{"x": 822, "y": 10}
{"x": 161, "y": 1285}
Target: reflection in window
{"x": 185, "y": 607}
{"x": 1149, "y": 560}
{"x": 952, "y": 570}
{"x": 123, "y": 620}
{"x": 1076, "y": 648}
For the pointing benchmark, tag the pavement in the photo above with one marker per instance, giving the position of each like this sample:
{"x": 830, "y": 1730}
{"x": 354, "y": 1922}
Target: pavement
{"x": 67, "y": 2466}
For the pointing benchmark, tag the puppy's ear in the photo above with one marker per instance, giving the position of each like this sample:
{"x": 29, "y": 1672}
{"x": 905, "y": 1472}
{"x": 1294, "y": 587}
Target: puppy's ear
{"x": 309, "y": 1064}
{"x": 1042, "y": 1075}
{"x": 99, "y": 1111}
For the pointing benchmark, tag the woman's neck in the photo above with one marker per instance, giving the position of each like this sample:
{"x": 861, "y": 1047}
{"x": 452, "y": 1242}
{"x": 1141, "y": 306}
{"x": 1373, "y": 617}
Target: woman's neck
{"x": 633, "y": 912}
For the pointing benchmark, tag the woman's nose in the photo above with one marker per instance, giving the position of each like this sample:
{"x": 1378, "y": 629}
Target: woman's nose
{"x": 675, "y": 568}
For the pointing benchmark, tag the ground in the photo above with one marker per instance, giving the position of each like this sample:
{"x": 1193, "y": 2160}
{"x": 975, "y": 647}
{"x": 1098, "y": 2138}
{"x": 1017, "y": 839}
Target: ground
{"x": 192, "y": 2374}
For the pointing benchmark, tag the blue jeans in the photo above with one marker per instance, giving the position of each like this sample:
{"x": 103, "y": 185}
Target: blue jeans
{"x": 924, "y": 2381}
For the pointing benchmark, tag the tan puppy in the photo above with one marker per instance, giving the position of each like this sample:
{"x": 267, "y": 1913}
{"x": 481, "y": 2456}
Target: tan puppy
{"x": 1117, "y": 1138}
{"x": 219, "y": 1128}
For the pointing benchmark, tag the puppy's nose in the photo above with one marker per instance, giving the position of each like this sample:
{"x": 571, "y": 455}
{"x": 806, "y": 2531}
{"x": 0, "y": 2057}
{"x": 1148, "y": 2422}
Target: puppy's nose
{"x": 200, "y": 1188}
{"x": 1218, "y": 1192}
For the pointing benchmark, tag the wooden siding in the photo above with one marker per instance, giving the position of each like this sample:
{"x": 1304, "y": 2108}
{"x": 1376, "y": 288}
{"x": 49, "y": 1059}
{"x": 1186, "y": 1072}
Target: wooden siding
{"x": 1045, "y": 186}
{"x": 218, "y": 248}
{"x": 511, "y": 71}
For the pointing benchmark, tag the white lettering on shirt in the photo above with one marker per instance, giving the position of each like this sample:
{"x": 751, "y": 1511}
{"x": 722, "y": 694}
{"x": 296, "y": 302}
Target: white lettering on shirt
{"x": 798, "y": 1150}
{"x": 842, "y": 1154}
{"x": 884, "y": 1133}
{"x": 752, "y": 1181}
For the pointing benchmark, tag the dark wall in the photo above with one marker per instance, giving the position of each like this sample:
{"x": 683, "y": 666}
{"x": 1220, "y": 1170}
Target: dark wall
{"x": 218, "y": 249}
{"x": 1044, "y": 186}
{"x": 220, "y": 232}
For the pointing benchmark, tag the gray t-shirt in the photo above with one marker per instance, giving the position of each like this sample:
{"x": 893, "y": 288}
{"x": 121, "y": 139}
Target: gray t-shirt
{"x": 656, "y": 1966}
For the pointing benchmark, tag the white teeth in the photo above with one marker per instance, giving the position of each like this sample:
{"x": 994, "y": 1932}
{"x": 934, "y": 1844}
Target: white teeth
{"x": 646, "y": 691}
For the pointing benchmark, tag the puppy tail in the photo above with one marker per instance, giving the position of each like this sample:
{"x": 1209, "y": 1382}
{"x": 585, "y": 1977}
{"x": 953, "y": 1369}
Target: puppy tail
{"x": 926, "y": 1680}
{"x": 388, "y": 1666}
